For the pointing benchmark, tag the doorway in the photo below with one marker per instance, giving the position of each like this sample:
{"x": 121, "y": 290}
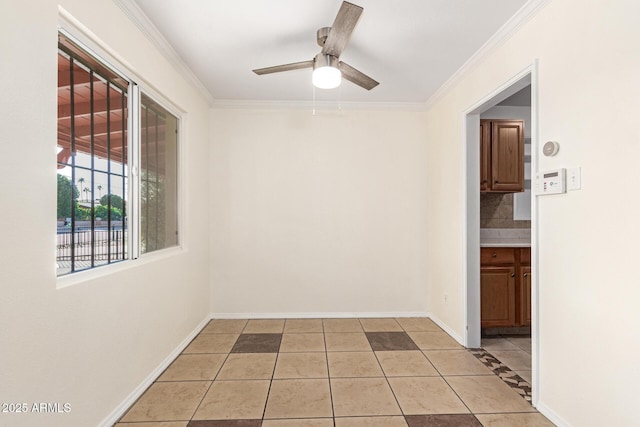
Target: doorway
{"x": 527, "y": 77}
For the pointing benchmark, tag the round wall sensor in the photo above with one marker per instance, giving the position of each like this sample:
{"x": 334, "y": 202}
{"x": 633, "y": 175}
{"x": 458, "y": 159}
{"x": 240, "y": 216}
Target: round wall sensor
{"x": 550, "y": 148}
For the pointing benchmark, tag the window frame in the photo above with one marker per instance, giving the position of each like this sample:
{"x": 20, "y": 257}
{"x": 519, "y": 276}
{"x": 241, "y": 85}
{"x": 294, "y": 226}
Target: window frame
{"x": 71, "y": 29}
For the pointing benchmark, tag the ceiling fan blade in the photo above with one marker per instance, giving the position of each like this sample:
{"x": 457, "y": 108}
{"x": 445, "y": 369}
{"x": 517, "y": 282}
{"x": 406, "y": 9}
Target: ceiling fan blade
{"x": 341, "y": 30}
{"x": 284, "y": 67}
{"x": 357, "y": 77}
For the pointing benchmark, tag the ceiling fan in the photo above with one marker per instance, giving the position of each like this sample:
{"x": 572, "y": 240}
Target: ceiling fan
{"x": 328, "y": 70}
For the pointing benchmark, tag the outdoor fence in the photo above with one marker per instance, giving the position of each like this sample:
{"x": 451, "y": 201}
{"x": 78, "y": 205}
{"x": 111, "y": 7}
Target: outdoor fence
{"x": 84, "y": 245}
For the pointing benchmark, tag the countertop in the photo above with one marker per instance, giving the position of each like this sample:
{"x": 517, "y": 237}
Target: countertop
{"x": 505, "y": 237}
{"x": 505, "y": 243}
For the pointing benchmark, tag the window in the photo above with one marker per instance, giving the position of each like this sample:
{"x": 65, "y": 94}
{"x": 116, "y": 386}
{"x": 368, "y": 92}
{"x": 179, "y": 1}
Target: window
{"x": 158, "y": 171}
{"x": 98, "y": 220}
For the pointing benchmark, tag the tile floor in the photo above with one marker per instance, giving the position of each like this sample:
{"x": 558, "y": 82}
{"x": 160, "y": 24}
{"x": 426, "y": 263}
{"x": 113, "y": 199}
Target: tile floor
{"x": 512, "y": 351}
{"x": 329, "y": 373}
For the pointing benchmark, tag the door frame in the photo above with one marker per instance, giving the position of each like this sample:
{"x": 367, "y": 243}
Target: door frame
{"x": 471, "y": 181}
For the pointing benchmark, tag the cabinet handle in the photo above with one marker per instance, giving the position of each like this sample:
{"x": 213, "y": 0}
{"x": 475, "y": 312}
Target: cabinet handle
{"x": 513, "y": 274}
{"x": 496, "y": 181}
{"x": 494, "y": 255}
{"x": 526, "y": 274}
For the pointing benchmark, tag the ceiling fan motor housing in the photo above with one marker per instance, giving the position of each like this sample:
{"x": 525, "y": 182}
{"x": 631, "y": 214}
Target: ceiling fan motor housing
{"x": 324, "y": 60}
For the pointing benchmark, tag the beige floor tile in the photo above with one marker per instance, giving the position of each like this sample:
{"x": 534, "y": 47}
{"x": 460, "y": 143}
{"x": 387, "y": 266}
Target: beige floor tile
{"x": 497, "y": 344}
{"x": 315, "y": 422}
{"x": 302, "y": 343}
{"x": 297, "y": 326}
{"x": 299, "y": 399}
{"x": 514, "y": 420}
{"x": 348, "y": 341}
{"x": 353, "y": 365}
{"x": 418, "y": 324}
{"x": 371, "y": 422}
{"x": 264, "y": 326}
{"x": 523, "y": 343}
{"x": 190, "y": 367}
{"x": 405, "y": 364}
{"x": 212, "y": 343}
{"x": 525, "y": 375}
{"x": 342, "y": 325}
{"x": 168, "y": 402}
{"x": 362, "y": 397}
{"x": 248, "y": 366}
{"x": 225, "y": 326}
{"x": 457, "y": 362}
{"x": 380, "y": 325}
{"x": 488, "y": 394}
{"x": 155, "y": 424}
{"x": 426, "y": 395}
{"x": 301, "y": 365}
{"x": 514, "y": 359}
{"x": 240, "y": 400}
{"x": 434, "y": 340}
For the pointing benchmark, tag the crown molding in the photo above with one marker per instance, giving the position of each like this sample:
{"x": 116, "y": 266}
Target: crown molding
{"x": 319, "y": 106}
{"x": 521, "y": 17}
{"x": 137, "y": 16}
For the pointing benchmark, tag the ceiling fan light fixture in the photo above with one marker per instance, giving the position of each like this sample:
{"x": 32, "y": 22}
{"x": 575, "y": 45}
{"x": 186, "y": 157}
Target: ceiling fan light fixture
{"x": 326, "y": 74}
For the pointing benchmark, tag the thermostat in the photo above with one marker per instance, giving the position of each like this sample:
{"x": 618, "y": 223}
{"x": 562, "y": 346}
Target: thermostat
{"x": 551, "y": 182}
{"x": 550, "y": 148}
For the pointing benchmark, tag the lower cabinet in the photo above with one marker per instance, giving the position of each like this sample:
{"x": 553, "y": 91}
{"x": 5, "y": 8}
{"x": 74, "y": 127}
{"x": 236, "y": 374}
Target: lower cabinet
{"x": 525, "y": 297}
{"x": 497, "y": 296}
{"x": 505, "y": 287}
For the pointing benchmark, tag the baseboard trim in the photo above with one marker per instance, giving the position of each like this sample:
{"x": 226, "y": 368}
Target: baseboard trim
{"x": 119, "y": 411}
{"x": 323, "y": 315}
{"x": 446, "y": 328}
{"x": 552, "y": 415}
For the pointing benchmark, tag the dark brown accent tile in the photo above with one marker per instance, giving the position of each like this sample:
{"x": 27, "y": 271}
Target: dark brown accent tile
{"x": 225, "y": 423}
{"x": 257, "y": 343}
{"x": 466, "y": 420}
{"x": 381, "y": 341}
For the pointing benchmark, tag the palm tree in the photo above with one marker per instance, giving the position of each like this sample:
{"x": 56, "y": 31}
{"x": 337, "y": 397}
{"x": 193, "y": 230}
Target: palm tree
{"x": 86, "y": 191}
{"x": 99, "y": 187}
{"x": 81, "y": 181}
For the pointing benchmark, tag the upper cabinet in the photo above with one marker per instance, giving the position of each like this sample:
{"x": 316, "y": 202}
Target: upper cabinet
{"x": 501, "y": 156}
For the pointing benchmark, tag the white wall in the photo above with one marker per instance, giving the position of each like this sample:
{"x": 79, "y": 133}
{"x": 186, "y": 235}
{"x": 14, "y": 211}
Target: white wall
{"x": 589, "y": 97}
{"x": 90, "y": 344}
{"x": 318, "y": 215}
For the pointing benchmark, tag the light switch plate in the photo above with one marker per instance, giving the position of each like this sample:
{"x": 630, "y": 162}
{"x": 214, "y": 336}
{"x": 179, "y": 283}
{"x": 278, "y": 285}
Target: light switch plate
{"x": 574, "y": 179}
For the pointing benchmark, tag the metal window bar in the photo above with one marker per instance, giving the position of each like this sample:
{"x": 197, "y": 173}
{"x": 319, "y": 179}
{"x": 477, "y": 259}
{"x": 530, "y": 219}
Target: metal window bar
{"x": 93, "y": 156}
{"x": 79, "y": 248}
{"x": 73, "y": 158}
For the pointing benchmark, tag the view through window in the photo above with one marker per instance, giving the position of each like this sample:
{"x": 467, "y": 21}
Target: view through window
{"x": 96, "y": 221}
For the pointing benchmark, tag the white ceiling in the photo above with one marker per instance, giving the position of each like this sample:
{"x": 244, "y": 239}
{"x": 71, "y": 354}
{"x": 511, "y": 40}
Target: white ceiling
{"x": 410, "y": 46}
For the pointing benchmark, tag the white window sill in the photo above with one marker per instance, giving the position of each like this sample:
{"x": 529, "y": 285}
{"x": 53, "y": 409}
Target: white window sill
{"x": 109, "y": 269}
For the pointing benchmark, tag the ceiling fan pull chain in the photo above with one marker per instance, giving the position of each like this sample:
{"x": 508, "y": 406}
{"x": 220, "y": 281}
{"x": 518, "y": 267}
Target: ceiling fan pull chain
{"x": 313, "y": 105}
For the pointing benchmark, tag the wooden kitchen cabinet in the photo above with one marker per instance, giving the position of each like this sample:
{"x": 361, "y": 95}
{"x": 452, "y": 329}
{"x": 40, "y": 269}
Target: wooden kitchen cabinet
{"x": 505, "y": 287}
{"x": 497, "y": 296}
{"x": 501, "y": 156}
{"x": 525, "y": 296}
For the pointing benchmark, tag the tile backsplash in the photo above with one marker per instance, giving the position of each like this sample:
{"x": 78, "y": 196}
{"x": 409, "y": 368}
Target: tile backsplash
{"x": 496, "y": 211}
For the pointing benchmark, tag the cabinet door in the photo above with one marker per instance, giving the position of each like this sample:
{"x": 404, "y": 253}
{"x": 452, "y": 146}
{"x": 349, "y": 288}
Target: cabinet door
{"x": 485, "y": 158}
{"x": 507, "y": 155}
{"x": 525, "y": 296}
{"x": 497, "y": 296}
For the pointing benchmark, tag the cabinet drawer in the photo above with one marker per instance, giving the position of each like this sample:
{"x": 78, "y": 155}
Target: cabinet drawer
{"x": 525, "y": 256}
{"x": 495, "y": 256}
